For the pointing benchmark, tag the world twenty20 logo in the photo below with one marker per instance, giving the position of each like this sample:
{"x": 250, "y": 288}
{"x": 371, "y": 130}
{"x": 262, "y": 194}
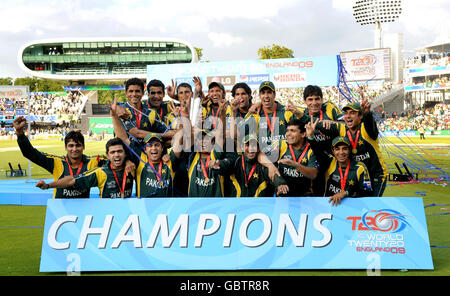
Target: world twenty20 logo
{"x": 385, "y": 220}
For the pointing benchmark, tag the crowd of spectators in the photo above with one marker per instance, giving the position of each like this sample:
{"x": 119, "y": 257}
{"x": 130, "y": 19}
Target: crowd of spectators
{"x": 331, "y": 93}
{"x": 437, "y": 82}
{"x": 44, "y": 104}
{"x": 428, "y": 60}
{"x": 432, "y": 119}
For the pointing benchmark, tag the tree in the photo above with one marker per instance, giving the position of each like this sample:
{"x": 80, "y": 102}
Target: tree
{"x": 6, "y": 81}
{"x": 275, "y": 52}
{"x": 41, "y": 84}
{"x": 199, "y": 52}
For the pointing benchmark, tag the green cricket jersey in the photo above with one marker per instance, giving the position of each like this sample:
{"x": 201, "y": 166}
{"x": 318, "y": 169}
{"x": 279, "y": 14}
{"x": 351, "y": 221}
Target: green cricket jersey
{"x": 250, "y": 179}
{"x": 270, "y": 127}
{"x": 164, "y": 113}
{"x": 112, "y": 184}
{"x": 144, "y": 119}
{"x": 365, "y": 141}
{"x": 59, "y": 167}
{"x": 153, "y": 179}
{"x": 204, "y": 181}
{"x": 328, "y": 111}
{"x": 355, "y": 180}
{"x": 299, "y": 185}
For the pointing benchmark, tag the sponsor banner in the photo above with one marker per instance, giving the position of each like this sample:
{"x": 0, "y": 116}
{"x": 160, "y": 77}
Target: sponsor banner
{"x": 295, "y": 72}
{"x": 14, "y": 92}
{"x": 372, "y": 64}
{"x": 94, "y": 87}
{"x": 227, "y": 81}
{"x": 234, "y": 234}
{"x": 254, "y": 79}
{"x": 99, "y": 124}
{"x": 427, "y": 86}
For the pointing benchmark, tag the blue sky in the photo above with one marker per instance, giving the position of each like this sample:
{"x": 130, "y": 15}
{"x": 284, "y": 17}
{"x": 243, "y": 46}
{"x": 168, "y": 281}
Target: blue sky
{"x": 226, "y": 32}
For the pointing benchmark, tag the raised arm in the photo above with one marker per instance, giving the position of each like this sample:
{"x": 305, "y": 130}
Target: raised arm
{"x": 67, "y": 181}
{"x": 28, "y": 151}
{"x": 117, "y": 124}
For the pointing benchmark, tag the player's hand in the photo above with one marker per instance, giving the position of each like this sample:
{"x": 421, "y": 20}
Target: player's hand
{"x": 214, "y": 164}
{"x": 19, "y": 125}
{"x": 117, "y": 110}
{"x": 234, "y": 105}
{"x": 326, "y": 123}
{"x": 311, "y": 127}
{"x": 223, "y": 106}
{"x": 198, "y": 86}
{"x": 41, "y": 184}
{"x": 291, "y": 107}
{"x": 282, "y": 189}
{"x": 130, "y": 167}
{"x": 255, "y": 108}
{"x": 165, "y": 158}
{"x": 365, "y": 106}
{"x": 171, "y": 90}
{"x": 336, "y": 199}
{"x": 287, "y": 161}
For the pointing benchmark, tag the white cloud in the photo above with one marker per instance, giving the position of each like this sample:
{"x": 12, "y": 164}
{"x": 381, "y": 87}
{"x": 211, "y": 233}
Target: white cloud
{"x": 223, "y": 39}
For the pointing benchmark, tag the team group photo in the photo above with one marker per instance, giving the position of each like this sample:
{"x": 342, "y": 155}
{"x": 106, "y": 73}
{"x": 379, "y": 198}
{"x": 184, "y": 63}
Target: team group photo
{"x": 221, "y": 143}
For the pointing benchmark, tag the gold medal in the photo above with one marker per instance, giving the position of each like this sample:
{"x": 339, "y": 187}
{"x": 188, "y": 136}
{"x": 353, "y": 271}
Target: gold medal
{"x": 207, "y": 180}
{"x": 354, "y": 150}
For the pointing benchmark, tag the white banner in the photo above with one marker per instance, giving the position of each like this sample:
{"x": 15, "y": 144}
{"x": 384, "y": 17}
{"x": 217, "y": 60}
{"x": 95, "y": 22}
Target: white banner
{"x": 371, "y": 64}
{"x": 14, "y": 92}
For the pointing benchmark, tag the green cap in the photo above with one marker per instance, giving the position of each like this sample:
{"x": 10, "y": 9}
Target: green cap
{"x": 151, "y": 136}
{"x": 268, "y": 84}
{"x": 208, "y": 133}
{"x": 340, "y": 139}
{"x": 215, "y": 83}
{"x": 354, "y": 106}
{"x": 249, "y": 137}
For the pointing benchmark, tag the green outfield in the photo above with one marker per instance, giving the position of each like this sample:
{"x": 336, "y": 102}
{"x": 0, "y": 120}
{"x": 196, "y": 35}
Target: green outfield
{"x": 21, "y": 227}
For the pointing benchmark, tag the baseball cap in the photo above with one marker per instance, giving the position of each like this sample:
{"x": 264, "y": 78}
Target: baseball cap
{"x": 153, "y": 136}
{"x": 268, "y": 84}
{"x": 209, "y": 133}
{"x": 354, "y": 106}
{"x": 249, "y": 137}
{"x": 340, "y": 139}
{"x": 214, "y": 83}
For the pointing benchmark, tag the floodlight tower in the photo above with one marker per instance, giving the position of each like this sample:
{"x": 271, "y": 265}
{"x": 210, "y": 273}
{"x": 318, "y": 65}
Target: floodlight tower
{"x": 376, "y": 12}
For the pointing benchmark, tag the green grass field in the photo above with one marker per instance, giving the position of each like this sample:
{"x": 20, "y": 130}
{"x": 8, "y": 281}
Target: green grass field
{"x": 21, "y": 227}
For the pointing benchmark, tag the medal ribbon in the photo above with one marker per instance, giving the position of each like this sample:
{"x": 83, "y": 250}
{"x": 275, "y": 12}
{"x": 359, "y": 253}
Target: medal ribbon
{"x": 344, "y": 178}
{"x": 354, "y": 143}
{"x": 251, "y": 171}
{"x": 121, "y": 189}
{"x": 70, "y": 168}
{"x": 215, "y": 117}
{"x": 320, "y": 116}
{"x": 205, "y": 173}
{"x": 158, "y": 175}
{"x": 301, "y": 156}
{"x": 271, "y": 124}
{"x": 138, "y": 119}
